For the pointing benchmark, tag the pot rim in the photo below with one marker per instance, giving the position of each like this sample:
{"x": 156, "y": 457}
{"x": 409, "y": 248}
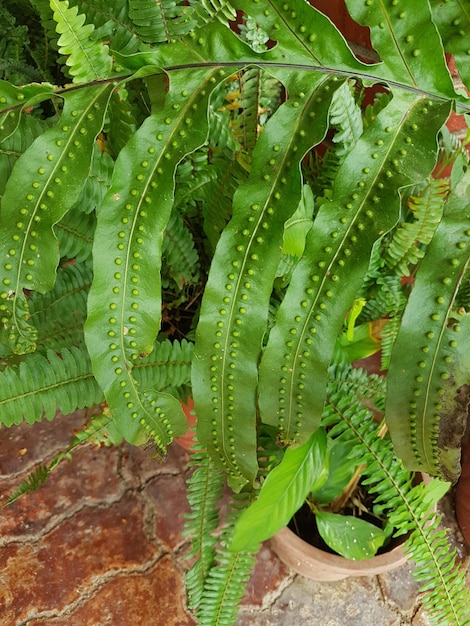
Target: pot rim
{"x": 317, "y": 564}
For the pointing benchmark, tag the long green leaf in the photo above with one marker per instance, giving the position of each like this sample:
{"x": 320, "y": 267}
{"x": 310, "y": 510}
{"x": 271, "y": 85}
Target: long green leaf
{"x": 125, "y": 297}
{"x": 407, "y": 42}
{"x": 453, "y": 22}
{"x": 393, "y": 152}
{"x": 45, "y": 182}
{"x": 236, "y": 298}
{"x": 430, "y": 384}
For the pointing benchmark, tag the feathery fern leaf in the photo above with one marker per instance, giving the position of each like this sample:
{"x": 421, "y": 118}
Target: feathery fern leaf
{"x": 404, "y": 247}
{"x": 87, "y": 59}
{"x": 42, "y": 384}
{"x": 180, "y": 264}
{"x": 59, "y": 314}
{"x": 122, "y": 123}
{"x": 256, "y": 97}
{"x": 345, "y": 116}
{"x": 168, "y": 365}
{"x": 207, "y": 10}
{"x": 32, "y": 483}
{"x": 97, "y": 182}
{"x": 157, "y": 22}
{"x": 12, "y": 145}
{"x": 226, "y": 581}
{"x": 205, "y": 489}
{"x": 112, "y": 24}
{"x": 406, "y": 506}
{"x": 75, "y": 234}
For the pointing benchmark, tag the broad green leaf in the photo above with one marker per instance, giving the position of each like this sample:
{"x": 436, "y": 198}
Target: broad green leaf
{"x": 302, "y": 34}
{"x": 284, "y": 491}
{"x": 45, "y": 182}
{"x": 397, "y": 149}
{"x": 429, "y": 384}
{"x": 14, "y": 100}
{"x": 236, "y": 298}
{"x": 407, "y": 42}
{"x": 453, "y": 22}
{"x": 350, "y": 536}
{"x": 125, "y": 297}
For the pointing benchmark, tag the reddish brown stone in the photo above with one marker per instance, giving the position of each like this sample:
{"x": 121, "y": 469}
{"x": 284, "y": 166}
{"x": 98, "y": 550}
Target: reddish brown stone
{"x": 64, "y": 565}
{"x": 268, "y": 575}
{"x": 25, "y": 445}
{"x": 155, "y": 597}
{"x": 91, "y": 476}
{"x": 168, "y": 493}
{"x": 141, "y": 464}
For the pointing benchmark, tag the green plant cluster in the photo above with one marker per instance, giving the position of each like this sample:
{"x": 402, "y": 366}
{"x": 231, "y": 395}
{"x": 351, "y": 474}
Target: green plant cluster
{"x": 168, "y": 222}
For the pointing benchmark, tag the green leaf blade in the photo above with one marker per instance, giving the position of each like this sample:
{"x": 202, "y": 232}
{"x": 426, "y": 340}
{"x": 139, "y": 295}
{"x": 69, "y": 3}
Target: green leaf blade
{"x": 50, "y": 175}
{"x": 236, "y": 300}
{"x": 128, "y": 247}
{"x": 283, "y": 492}
{"x": 364, "y": 205}
{"x": 350, "y": 536}
{"x": 407, "y": 42}
{"x": 430, "y": 383}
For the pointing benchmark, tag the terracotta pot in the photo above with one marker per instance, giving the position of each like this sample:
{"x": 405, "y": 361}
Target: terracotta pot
{"x": 316, "y": 564}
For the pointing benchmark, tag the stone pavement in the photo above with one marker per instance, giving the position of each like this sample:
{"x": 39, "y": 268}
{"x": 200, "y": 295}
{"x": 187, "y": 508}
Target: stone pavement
{"x": 101, "y": 544}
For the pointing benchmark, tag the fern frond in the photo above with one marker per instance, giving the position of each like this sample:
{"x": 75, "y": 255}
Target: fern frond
{"x": 445, "y": 596}
{"x": 122, "y": 123}
{"x": 346, "y": 117}
{"x": 157, "y": 22}
{"x": 208, "y": 10}
{"x": 405, "y": 245}
{"x": 34, "y": 480}
{"x": 14, "y": 41}
{"x": 180, "y": 264}
{"x": 205, "y": 489}
{"x": 42, "y": 384}
{"x": 59, "y": 314}
{"x": 87, "y": 59}
{"x": 97, "y": 183}
{"x": 255, "y": 97}
{"x": 227, "y": 578}
{"x": 168, "y": 365}
{"x": 112, "y": 24}
{"x": 17, "y": 134}
{"x": 407, "y": 507}
{"x": 75, "y": 234}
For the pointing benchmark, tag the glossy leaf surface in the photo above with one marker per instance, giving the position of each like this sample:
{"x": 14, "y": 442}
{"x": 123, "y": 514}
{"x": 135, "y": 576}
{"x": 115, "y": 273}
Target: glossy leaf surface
{"x": 283, "y": 492}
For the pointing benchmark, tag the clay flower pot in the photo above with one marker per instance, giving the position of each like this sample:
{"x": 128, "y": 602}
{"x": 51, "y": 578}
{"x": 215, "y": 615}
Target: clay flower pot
{"x": 320, "y": 565}
{"x": 317, "y": 564}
